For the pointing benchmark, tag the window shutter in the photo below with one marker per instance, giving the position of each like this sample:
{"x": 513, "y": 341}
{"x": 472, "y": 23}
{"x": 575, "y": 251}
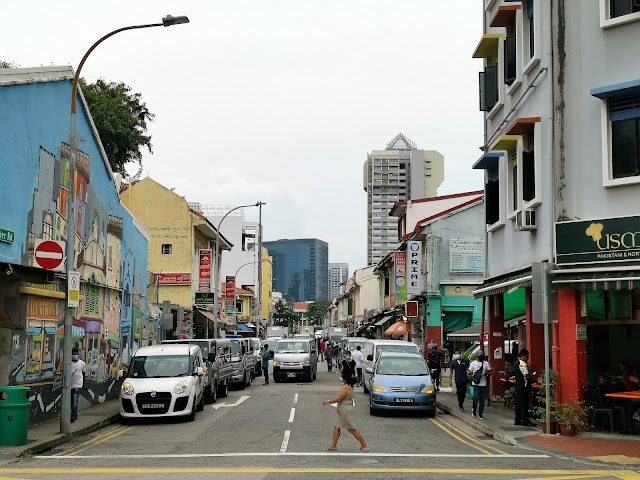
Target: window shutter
{"x": 530, "y": 9}
{"x": 92, "y": 300}
{"x": 483, "y": 92}
{"x": 492, "y": 206}
{"x": 528, "y": 176}
{"x": 510, "y": 60}
{"x": 624, "y": 108}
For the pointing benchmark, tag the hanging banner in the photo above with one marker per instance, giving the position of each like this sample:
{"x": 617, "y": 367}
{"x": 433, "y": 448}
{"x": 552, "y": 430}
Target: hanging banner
{"x": 400, "y": 274}
{"x": 205, "y": 270}
{"x": 414, "y": 268}
{"x": 230, "y": 292}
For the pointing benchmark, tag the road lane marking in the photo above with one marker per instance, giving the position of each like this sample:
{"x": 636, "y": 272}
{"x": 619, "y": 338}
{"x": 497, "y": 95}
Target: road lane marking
{"x": 238, "y": 402}
{"x": 285, "y": 441}
{"x": 473, "y": 439}
{"x": 110, "y": 432}
{"x": 459, "y": 438}
{"x": 292, "y": 415}
{"x": 295, "y": 398}
{"x": 567, "y": 477}
{"x": 296, "y": 454}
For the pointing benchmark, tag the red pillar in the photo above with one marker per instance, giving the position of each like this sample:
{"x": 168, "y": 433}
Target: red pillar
{"x": 535, "y": 338}
{"x": 495, "y": 342}
{"x": 572, "y": 352}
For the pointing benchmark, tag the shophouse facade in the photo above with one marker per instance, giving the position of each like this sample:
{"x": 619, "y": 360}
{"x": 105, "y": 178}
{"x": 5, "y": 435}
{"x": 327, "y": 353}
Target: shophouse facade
{"x": 561, "y": 178}
{"x": 110, "y": 246}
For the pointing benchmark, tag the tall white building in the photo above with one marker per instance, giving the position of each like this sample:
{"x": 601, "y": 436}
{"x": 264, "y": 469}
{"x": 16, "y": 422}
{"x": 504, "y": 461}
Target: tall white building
{"x": 338, "y": 273}
{"x": 400, "y": 172}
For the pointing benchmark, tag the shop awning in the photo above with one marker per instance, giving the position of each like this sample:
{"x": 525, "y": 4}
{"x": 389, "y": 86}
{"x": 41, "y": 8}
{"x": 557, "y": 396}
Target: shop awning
{"x": 76, "y": 332}
{"x": 398, "y": 328}
{"x": 382, "y": 321}
{"x": 502, "y": 284}
{"x": 473, "y": 332}
{"x": 227, "y": 320}
{"x": 242, "y": 327}
{"x": 585, "y": 279}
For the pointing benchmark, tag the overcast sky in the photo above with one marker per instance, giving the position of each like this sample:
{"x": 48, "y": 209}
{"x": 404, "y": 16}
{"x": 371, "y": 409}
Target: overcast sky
{"x": 278, "y": 100}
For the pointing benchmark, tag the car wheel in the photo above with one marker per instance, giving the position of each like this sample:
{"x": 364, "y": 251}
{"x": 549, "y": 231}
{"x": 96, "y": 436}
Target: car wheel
{"x": 223, "y": 390}
{"x": 200, "y": 404}
{"x": 315, "y": 374}
{"x": 213, "y": 394}
{"x": 258, "y": 371}
{"x": 277, "y": 379}
{"x": 192, "y": 416}
{"x": 372, "y": 411}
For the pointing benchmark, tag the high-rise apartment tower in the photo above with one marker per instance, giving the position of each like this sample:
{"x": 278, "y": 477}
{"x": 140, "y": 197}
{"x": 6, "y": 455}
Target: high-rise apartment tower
{"x": 338, "y": 273}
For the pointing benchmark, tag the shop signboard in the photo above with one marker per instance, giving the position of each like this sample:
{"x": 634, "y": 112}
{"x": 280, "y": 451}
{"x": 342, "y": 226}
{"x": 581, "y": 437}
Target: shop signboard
{"x": 204, "y": 298}
{"x": 204, "y": 271}
{"x": 400, "y": 274}
{"x": 411, "y": 308}
{"x": 173, "y": 278}
{"x": 466, "y": 256}
{"x": 414, "y": 268}
{"x": 598, "y": 241}
{"x": 230, "y": 292}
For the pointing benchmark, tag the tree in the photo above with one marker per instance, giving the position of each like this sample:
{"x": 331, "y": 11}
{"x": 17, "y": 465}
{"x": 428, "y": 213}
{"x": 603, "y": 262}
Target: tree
{"x": 121, "y": 119}
{"x": 4, "y": 64}
{"x": 283, "y": 316}
{"x": 317, "y": 311}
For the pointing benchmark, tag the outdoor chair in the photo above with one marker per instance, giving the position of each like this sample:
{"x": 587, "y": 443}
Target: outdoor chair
{"x": 592, "y": 394}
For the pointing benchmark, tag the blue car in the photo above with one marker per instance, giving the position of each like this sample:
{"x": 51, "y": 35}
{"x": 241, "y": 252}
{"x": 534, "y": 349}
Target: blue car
{"x": 401, "y": 381}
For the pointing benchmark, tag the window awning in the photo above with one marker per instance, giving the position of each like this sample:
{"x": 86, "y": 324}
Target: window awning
{"x": 506, "y": 142}
{"x": 578, "y": 279}
{"x": 505, "y": 16}
{"x": 522, "y": 126}
{"x": 488, "y": 45}
{"x": 499, "y": 285}
{"x": 227, "y": 320}
{"x": 382, "y": 321}
{"x": 488, "y": 161}
{"x": 618, "y": 90}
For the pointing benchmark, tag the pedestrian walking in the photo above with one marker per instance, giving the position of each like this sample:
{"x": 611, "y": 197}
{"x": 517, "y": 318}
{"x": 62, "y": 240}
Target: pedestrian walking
{"x": 479, "y": 383}
{"x": 265, "y": 363}
{"x": 335, "y": 353}
{"x": 346, "y": 406}
{"x": 323, "y": 346}
{"x": 434, "y": 360}
{"x": 348, "y": 363}
{"x": 78, "y": 369}
{"x": 523, "y": 389}
{"x": 329, "y": 357}
{"x": 357, "y": 357}
{"x": 459, "y": 367}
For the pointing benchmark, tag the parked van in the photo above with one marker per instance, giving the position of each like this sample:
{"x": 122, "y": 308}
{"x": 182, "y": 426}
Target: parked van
{"x": 218, "y": 368}
{"x": 373, "y": 348}
{"x": 295, "y": 358}
{"x": 243, "y": 362}
{"x": 255, "y": 345}
{"x": 163, "y": 381}
{"x": 350, "y": 344}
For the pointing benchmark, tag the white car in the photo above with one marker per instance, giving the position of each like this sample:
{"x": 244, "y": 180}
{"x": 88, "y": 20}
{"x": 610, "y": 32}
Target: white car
{"x": 163, "y": 381}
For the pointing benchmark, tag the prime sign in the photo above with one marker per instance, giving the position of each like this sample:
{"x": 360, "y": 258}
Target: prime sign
{"x": 414, "y": 270}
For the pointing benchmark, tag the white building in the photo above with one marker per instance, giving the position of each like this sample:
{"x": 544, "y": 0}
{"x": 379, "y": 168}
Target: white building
{"x": 400, "y": 172}
{"x": 338, "y": 274}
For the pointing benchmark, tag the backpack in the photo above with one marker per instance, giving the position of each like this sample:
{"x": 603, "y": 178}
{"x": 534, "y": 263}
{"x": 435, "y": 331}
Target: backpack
{"x": 477, "y": 375}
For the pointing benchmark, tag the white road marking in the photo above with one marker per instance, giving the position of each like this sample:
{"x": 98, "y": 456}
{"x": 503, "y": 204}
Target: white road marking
{"x": 224, "y": 404}
{"x": 295, "y": 398}
{"x": 283, "y": 452}
{"x": 285, "y": 442}
{"x": 292, "y": 414}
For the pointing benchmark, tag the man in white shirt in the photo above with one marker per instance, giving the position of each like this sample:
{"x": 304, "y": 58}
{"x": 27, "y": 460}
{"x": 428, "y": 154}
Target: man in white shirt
{"x": 357, "y": 357}
{"x": 78, "y": 368}
{"x": 479, "y": 383}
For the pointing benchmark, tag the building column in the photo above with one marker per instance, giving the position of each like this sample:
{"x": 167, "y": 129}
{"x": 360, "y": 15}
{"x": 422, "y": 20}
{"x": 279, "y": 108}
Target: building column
{"x": 496, "y": 341}
{"x": 573, "y": 353}
{"x": 434, "y": 323}
{"x": 535, "y": 337}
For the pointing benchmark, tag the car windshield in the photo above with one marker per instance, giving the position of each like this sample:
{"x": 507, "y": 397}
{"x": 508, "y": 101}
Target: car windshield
{"x": 254, "y": 344}
{"x": 236, "y": 348}
{"x": 354, "y": 346}
{"x": 402, "y": 366}
{"x": 292, "y": 347}
{"x": 410, "y": 348}
{"x": 204, "y": 349}
{"x": 160, "y": 366}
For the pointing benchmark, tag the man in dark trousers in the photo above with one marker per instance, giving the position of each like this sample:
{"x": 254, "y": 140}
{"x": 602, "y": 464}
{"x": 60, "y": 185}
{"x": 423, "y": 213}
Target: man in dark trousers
{"x": 327, "y": 352}
{"x": 265, "y": 363}
{"x": 523, "y": 389}
{"x": 434, "y": 362}
{"x": 459, "y": 367}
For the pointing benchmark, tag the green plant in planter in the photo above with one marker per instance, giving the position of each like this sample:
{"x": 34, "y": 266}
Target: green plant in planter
{"x": 573, "y": 413}
{"x": 541, "y": 412}
{"x": 509, "y": 397}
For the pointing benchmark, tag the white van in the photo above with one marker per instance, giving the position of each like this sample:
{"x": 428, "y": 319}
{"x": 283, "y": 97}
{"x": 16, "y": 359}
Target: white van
{"x": 373, "y": 348}
{"x": 295, "y": 357}
{"x": 163, "y": 381}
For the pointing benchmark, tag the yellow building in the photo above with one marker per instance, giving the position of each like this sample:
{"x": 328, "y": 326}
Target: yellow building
{"x": 267, "y": 286}
{"x": 177, "y": 234}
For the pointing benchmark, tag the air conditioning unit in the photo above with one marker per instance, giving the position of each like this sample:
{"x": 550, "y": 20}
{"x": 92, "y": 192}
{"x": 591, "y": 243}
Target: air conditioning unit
{"x": 526, "y": 220}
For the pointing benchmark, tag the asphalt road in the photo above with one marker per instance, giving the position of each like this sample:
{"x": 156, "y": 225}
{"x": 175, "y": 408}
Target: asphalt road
{"x": 278, "y": 431}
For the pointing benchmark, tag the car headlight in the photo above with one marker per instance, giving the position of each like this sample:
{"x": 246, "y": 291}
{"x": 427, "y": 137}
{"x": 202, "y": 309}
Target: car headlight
{"x": 377, "y": 387}
{"x": 127, "y": 388}
{"x": 181, "y": 387}
{"x": 429, "y": 389}
{"x": 275, "y": 364}
{"x": 306, "y": 363}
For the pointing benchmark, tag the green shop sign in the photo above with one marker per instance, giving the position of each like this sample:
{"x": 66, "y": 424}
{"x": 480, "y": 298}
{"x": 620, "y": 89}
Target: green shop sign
{"x": 204, "y": 298}
{"x": 597, "y": 241}
{"x": 6, "y": 236}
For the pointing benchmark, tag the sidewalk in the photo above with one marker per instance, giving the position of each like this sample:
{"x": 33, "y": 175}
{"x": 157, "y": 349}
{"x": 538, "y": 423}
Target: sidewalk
{"x": 498, "y": 423}
{"x": 45, "y": 436}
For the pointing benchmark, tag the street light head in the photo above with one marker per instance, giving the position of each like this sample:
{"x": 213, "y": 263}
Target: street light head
{"x": 260, "y": 203}
{"x": 169, "y": 20}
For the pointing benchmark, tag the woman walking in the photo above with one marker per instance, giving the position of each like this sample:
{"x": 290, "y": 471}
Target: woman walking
{"x": 345, "y": 410}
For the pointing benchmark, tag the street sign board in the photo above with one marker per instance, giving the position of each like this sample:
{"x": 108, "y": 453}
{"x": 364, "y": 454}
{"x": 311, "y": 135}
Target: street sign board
{"x": 6, "y": 235}
{"x": 204, "y": 298}
{"x": 49, "y": 254}
{"x": 229, "y": 310}
{"x": 73, "y": 289}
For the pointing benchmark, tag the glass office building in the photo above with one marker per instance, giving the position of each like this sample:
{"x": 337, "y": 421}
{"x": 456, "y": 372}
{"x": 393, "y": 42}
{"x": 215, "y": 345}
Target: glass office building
{"x": 300, "y": 268}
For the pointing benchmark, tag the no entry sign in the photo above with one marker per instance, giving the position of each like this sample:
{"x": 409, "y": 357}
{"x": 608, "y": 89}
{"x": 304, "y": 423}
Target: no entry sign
{"x": 49, "y": 254}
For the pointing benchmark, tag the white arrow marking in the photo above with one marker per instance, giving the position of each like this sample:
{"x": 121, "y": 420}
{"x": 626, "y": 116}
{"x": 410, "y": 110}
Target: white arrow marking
{"x": 240, "y": 400}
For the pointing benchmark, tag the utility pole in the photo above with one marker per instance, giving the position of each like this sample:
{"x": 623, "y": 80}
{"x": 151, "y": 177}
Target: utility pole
{"x": 259, "y": 304}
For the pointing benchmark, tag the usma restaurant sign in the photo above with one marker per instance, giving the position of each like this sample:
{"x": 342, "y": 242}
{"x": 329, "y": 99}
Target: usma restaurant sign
{"x": 597, "y": 241}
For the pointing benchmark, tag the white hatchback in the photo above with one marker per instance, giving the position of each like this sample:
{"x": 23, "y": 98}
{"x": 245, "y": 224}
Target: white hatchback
{"x": 163, "y": 381}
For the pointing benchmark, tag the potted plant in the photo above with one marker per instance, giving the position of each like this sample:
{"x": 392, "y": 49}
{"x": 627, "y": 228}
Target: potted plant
{"x": 571, "y": 417}
{"x": 551, "y": 425}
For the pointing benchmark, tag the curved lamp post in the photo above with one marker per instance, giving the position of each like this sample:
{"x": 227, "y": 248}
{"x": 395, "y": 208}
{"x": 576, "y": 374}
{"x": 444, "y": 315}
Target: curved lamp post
{"x": 65, "y": 413}
{"x": 235, "y": 320}
{"x": 216, "y": 269}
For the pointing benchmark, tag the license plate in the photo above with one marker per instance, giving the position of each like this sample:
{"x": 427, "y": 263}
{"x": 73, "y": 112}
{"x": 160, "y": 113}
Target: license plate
{"x": 291, "y": 374}
{"x": 153, "y": 405}
{"x": 403, "y": 400}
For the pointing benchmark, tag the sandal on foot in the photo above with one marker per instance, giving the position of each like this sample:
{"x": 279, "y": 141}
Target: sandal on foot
{"x": 329, "y": 449}
{"x": 364, "y": 449}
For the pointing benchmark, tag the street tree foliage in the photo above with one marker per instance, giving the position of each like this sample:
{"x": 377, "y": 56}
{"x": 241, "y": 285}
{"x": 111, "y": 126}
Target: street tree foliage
{"x": 283, "y": 316}
{"x": 4, "y": 64}
{"x": 317, "y": 311}
{"x": 121, "y": 119}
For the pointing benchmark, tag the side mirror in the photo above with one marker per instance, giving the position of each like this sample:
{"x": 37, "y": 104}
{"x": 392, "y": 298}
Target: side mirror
{"x": 212, "y": 357}
{"x": 120, "y": 373}
{"x": 368, "y": 370}
{"x": 370, "y": 358}
{"x": 199, "y": 371}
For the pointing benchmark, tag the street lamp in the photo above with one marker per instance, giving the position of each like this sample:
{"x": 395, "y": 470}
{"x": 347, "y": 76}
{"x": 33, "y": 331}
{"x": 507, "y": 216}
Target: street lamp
{"x": 235, "y": 320}
{"x": 216, "y": 269}
{"x": 65, "y": 413}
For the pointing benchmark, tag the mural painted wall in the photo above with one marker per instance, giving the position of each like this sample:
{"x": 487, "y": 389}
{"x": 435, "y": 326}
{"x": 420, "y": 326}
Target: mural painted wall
{"x": 111, "y": 248}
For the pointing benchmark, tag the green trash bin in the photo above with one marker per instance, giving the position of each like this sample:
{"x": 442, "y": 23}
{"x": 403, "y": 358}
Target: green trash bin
{"x": 14, "y": 415}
